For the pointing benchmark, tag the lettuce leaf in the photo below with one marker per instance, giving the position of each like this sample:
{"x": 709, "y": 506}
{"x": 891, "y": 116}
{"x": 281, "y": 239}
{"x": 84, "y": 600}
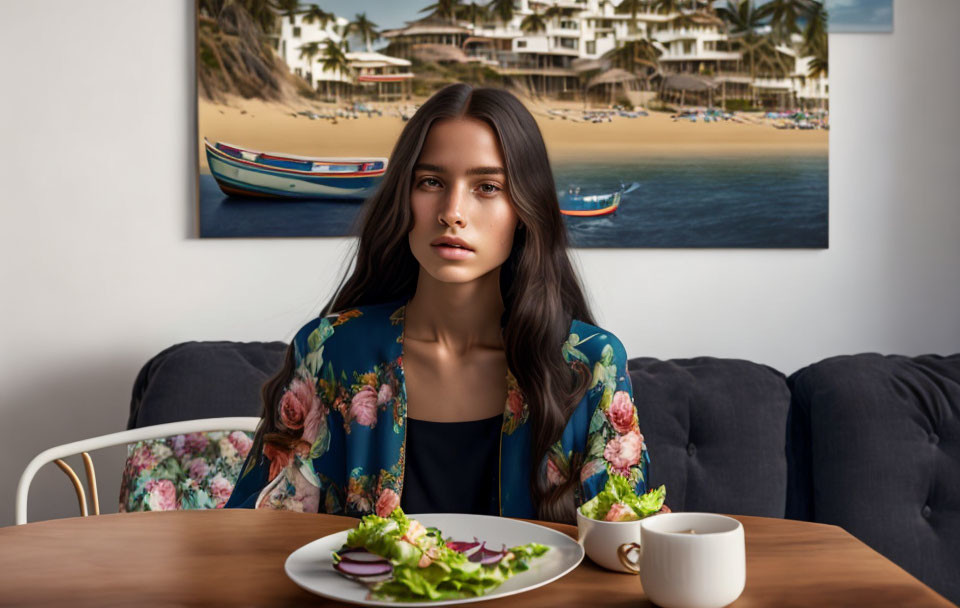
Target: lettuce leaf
{"x": 450, "y": 575}
{"x": 461, "y": 578}
{"x": 619, "y": 490}
{"x": 381, "y": 535}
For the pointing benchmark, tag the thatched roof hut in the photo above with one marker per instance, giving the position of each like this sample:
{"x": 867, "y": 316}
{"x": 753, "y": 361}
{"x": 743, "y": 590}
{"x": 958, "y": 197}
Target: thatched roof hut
{"x": 613, "y": 76}
{"x": 689, "y": 82}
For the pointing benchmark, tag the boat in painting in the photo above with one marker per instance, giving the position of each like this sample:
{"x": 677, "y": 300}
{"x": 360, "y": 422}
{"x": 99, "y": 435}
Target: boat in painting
{"x": 575, "y": 204}
{"x": 251, "y": 173}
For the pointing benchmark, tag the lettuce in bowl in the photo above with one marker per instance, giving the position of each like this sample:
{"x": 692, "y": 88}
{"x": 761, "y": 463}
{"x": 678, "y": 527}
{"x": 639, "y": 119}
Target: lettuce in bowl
{"x": 618, "y": 502}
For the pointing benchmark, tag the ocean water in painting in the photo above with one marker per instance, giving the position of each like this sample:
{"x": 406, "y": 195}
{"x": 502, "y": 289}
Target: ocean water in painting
{"x": 695, "y": 201}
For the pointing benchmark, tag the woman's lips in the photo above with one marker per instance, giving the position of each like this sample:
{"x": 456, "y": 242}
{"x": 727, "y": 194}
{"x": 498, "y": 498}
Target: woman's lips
{"x": 449, "y": 252}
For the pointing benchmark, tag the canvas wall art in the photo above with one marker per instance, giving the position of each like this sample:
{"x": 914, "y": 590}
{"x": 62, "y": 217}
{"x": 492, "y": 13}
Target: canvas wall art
{"x": 669, "y": 123}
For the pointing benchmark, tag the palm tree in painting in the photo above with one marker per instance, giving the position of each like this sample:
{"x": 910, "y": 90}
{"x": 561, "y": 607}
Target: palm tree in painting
{"x": 638, "y": 56}
{"x": 785, "y": 16}
{"x": 668, "y": 6}
{"x": 533, "y": 23}
{"x": 315, "y": 13}
{"x": 448, "y": 9}
{"x": 502, "y": 9}
{"x": 335, "y": 59}
{"x": 308, "y": 51}
{"x": 632, "y": 7}
{"x": 554, "y": 12}
{"x": 288, "y": 8}
{"x": 364, "y": 29}
{"x": 815, "y": 41}
{"x": 474, "y": 13}
{"x": 743, "y": 18}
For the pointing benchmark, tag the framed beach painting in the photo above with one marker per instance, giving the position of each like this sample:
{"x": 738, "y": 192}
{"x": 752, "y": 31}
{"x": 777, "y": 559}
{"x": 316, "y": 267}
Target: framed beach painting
{"x": 669, "y": 123}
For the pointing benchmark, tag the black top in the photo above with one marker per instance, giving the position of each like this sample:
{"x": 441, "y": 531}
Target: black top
{"x": 452, "y": 467}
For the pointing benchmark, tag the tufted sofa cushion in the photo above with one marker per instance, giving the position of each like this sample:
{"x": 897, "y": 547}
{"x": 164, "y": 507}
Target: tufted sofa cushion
{"x": 203, "y": 380}
{"x": 876, "y": 441}
{"x": 715, "y": 430}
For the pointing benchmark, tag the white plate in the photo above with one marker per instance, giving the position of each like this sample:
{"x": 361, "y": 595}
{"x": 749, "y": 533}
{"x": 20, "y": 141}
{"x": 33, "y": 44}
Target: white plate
{"x": 311, "y": 566}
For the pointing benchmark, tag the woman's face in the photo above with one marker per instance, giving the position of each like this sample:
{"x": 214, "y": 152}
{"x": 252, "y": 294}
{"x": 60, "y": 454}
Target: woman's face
{"x": 460, "y": 191}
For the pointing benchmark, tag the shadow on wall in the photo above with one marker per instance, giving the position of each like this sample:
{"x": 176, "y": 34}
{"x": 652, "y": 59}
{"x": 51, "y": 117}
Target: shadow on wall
{"x": 43, "y": 409}
{"x": 192, "y": 198}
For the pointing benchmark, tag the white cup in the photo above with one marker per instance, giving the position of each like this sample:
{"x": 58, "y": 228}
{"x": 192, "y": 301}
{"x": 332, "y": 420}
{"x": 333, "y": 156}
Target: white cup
{"x": 705, "y": 569}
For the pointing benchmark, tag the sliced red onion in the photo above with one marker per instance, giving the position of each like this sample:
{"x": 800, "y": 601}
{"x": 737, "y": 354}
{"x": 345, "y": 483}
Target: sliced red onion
{"x": 359, "y": 555}
{"x": 488, "y": 557}
{"x": 463, "y": 546}
{"x": 364, "y": 570}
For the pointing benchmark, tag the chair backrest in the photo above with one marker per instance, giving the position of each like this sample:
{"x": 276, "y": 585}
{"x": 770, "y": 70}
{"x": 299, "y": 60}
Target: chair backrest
{"x": 58, "y": 453}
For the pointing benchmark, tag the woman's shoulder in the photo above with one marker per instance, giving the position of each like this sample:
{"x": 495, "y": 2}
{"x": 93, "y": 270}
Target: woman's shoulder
{"x": 351, "y": 326}
{"x": 590, "y": 343}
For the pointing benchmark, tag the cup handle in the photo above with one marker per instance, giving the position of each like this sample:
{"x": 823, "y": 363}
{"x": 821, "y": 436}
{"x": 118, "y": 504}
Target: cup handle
{"x": 623, "y": 552}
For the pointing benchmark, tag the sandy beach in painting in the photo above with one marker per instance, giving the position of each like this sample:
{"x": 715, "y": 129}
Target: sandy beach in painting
{"x": 271, "y": 127}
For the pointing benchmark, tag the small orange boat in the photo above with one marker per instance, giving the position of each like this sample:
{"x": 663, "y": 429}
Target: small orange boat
{"x": 574, "y": 204}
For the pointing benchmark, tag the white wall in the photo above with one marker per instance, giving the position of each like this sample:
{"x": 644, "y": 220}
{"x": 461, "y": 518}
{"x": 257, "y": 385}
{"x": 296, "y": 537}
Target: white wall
{"x": 100, "y": 270}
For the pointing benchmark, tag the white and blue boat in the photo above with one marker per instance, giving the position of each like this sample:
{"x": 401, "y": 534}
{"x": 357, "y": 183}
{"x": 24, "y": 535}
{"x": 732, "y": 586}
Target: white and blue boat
{"x": 251, "y": 173}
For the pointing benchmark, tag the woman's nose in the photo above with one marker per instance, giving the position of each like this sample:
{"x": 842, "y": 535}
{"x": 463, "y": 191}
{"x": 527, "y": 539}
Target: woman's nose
{"x": 451, "y": 213}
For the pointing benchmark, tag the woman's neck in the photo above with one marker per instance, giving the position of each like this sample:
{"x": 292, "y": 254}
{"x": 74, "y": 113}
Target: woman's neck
{"x": 457, "y": 316}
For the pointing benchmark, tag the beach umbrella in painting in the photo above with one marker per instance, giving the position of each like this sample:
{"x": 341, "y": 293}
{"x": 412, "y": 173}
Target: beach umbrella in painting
{"x": 611, "y": 78}
{"x": 688, "y": 83}
{"x": 439, "y": 53}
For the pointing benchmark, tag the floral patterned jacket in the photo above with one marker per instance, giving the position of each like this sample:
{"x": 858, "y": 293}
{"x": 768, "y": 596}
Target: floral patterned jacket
{"x": 347, "y": 400}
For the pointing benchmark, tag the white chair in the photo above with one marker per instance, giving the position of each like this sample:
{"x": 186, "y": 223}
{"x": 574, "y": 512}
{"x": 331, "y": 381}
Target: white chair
{"x": 56, "y": 454}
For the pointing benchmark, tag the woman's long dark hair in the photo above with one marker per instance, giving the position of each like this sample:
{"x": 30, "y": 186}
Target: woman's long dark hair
{"x": 539, "y": 287}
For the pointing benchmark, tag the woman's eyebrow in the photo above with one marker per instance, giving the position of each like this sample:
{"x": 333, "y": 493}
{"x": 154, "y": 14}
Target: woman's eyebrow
{"x": 473, "y": 171}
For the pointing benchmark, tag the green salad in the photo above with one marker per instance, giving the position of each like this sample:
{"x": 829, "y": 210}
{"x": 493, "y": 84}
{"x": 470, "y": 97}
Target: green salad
{"x": 619, "y": 502}
{"x": 400, "y": 559}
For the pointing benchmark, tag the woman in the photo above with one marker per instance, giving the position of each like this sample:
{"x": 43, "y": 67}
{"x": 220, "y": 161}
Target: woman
{"x": 461, "y": 370}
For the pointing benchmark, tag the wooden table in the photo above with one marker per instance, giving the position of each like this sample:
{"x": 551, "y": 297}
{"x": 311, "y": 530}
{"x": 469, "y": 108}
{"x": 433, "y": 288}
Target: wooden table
{"x": 236, "y": 557}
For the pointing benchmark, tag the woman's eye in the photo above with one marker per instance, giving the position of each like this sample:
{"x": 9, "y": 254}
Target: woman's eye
{"x": 429, "y": 182}
{"x": 489, "y": 188}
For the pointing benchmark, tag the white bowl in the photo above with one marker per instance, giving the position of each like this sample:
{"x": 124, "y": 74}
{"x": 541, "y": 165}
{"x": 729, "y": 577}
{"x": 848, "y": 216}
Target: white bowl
{"x": 601, "y": 539}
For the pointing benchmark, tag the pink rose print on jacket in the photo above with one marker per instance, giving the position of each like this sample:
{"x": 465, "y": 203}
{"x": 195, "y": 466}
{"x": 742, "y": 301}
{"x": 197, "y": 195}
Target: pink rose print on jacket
{"x": 388, "y": 501}
{"x": 296, "y": 402}
{"x": 623, "y": 452}
{"x": 311, "y": 425}
{"x": 621, "y": 413}
{"x": 591, "y": 468}
{"x": 554, "y": 476}
{"x": 385, "y": 394}
{"x": 515, "y": 403}
{"x": 162, "y": 495}
{"x": 363, "y": 406}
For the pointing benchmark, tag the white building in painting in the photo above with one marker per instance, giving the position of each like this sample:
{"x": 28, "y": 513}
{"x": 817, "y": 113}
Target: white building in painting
{"x": 575, "y": 39}
{"x": 581, "y": 32}
{"x": 376, "y": 74}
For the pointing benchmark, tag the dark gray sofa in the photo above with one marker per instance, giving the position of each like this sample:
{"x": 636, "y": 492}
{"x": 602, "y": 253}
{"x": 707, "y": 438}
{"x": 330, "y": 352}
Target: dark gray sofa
{"x": 867, "y": 442}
